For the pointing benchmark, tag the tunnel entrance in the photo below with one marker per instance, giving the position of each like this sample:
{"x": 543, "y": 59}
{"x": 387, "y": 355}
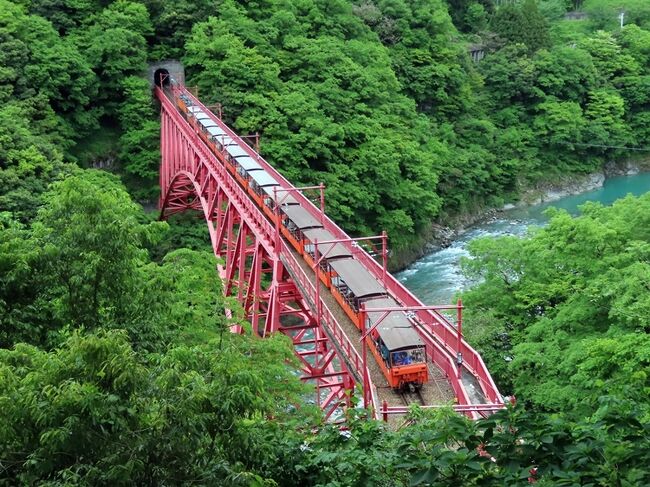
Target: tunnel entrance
{"x": 161, "y": 77}
{"x": 165, "y": 72}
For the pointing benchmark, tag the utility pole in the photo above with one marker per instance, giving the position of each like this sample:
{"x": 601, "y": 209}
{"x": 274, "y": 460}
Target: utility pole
{"x": 621, "y": 16}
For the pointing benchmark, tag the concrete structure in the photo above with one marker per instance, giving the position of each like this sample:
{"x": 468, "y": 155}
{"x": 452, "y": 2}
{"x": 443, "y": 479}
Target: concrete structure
{"x": 170, "y": 66}
{"x": 476, "y": 51}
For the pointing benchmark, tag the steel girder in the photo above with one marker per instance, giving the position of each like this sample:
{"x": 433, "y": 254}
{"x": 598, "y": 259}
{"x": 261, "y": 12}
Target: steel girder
{"x": 194, "y": 178}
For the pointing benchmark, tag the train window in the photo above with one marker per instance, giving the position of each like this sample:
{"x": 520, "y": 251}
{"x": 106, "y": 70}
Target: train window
{"x": 300, "y": 217}
{"x": 207, "y": 124}
{"x": 223, "y": 142}
{"x": 261, "y": 180}
{"x": 247, "y": 164}
{"x": 244, "y": 173}
{"x": 408, "y": 357}
{"x": 362, "y": 284}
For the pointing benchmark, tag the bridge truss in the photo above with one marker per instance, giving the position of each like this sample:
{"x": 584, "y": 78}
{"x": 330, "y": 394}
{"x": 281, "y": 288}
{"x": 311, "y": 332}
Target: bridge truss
{"x": 259, "y": 269}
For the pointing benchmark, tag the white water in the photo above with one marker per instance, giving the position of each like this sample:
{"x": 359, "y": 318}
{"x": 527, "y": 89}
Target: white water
{"x": 436, "y": 277}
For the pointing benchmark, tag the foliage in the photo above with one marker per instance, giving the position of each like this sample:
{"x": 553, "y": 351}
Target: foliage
{"x": 83, "y": 263}
{"x": 140, "y": 142}
{"x": 522, "y": 23}
{"x": 91, "y": 241}
{"x": 512, "y": 447}
{"x": 335, "y": 109}
{"x": 555, "y": 314}
{"x": 28, "y": 162}
{"x": 377, "y": 98}
{"x": 93, "y": 412}
{"x": 37, "y": 63}
{"x": 604, "y": 13}
{"x": 116, "y": 364}
{"x": 470, "y": 15}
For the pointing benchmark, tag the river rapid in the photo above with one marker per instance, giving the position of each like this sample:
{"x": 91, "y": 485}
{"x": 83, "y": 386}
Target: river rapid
{"x": 436, "y": 277}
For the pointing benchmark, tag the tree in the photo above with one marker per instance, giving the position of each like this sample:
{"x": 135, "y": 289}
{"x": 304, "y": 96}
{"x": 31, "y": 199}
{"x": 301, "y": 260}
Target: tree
{"x": 331, "y": 114}
{"x": 605, "y": 113}
{"x": 469, "y": 15}
{"x": 29, "y": 159}
{"x": 559, "y": 123}
{"x": 610, "y": 61}
{"x": 476, "y": 18}
{"x": 603, "y": 14}
{"x": 36, "y": 62}
{"x": 115, "y": 46}
{"x": 94, "y": 412}
{"x": 65, "y": 15}
{"x": 509, "y": 75}
{"x": 565, "y": 73}
{"x": 522, "y": 23}
{"x": 563, "y": 294}
{"x": 91, "y": 244}
{"x": 140, "y": 141}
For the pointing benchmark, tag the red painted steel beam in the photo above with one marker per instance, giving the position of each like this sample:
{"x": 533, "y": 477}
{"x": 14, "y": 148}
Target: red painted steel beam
{"x": 436, "y": 330}
{"x": 194, "y": 178}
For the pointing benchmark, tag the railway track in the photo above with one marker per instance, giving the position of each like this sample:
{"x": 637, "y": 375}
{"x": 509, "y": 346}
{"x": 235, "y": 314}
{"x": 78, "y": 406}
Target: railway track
{"x": 409, "y": 398}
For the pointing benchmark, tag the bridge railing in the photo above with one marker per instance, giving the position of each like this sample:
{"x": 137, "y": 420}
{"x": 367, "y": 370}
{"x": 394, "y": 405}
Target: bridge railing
{"x": 235, "y": 193}
{"x": 438, "y": 325}
{"x": 333, "y": 327}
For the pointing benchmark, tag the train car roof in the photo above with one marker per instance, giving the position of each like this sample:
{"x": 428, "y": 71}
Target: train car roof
{"x": 330, "y": 251}
{"x": 248, "y": 164}
{"x": 226, "y": 140}
{"x": 357, "y": 277}
{"x": 208, "y": 122}
{"x": 216, "y": 131}
{"x": 301, "y": 217}
{"x": 198, "y": 113}
{"x": 395, "y": 330}
{"x": 263, "y": 179}
{"x": 289, "y": 200}
{"x": 236, "y": 151}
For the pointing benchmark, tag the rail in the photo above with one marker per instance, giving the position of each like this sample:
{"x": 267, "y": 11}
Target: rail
{"x": 474, "y": 409}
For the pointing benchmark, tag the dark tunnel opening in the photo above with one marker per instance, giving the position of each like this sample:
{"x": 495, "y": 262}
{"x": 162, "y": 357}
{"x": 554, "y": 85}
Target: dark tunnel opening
{"x": 161, "y": 77}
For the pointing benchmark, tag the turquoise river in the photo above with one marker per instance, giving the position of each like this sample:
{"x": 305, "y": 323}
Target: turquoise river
{"x": 436, "y": 277}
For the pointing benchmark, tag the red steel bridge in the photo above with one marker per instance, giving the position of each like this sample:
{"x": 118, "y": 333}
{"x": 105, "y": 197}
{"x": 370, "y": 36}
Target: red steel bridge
{"x": 279, "y": 294}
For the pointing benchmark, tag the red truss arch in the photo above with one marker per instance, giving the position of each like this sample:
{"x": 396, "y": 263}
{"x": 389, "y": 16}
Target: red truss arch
{"x": 262, "y": 271}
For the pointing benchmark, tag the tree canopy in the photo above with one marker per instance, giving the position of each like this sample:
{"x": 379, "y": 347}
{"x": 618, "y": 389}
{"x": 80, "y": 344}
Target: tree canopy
{"x": 116, "y": 363}
{"x": 562, "y": 315}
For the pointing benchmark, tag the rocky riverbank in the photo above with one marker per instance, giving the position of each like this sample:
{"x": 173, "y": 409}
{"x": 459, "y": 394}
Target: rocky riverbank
{"x": 442, "y": 234}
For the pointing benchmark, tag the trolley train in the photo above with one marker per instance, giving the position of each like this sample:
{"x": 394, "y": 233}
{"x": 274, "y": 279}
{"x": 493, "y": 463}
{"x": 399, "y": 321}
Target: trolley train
{"x": 395, "y": 344}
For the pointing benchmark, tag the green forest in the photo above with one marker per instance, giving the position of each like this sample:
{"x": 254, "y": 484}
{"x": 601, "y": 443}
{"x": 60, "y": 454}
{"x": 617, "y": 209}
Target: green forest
{"x": 116, "y": 363}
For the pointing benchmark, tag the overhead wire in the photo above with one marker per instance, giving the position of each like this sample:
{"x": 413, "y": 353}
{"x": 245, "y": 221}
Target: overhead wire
{"x": 603, "y": 146}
